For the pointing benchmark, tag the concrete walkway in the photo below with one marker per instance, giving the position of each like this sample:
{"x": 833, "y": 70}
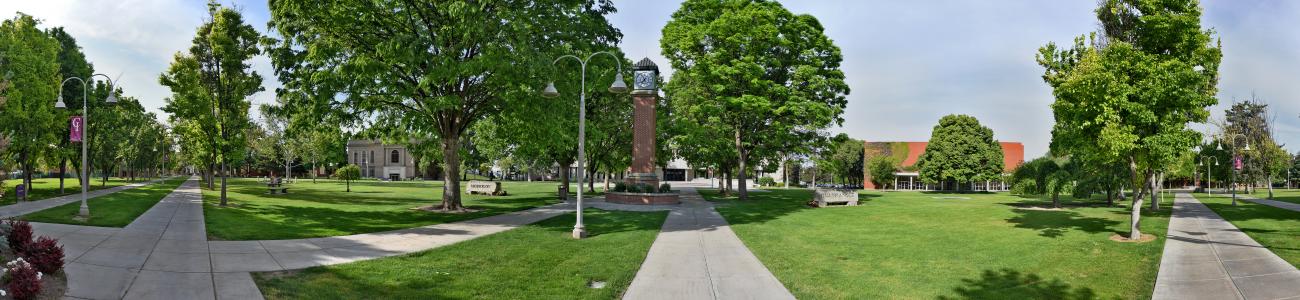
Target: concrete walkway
{"x": 23, "y": 208}
{"x": 1274, "y": 203}
{"x": 1206, "y": 257}
{"x": 697, "y": 256}
{"x": 165, "y": 254}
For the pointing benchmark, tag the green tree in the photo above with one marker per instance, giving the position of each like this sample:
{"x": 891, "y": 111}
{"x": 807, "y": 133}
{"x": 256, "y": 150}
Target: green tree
{"x": 1128, "y": 94}
{"x": 31, "y": 69}
{"x": 211, "y": 85}
{"x": 960, "y": 151}
{"x": 431, "y": 69}
{"x": 764, "y": 74}
{"x": 347, "y": 174}
{"x": 882, "y": 170}
{"x": 1248, "y": 122}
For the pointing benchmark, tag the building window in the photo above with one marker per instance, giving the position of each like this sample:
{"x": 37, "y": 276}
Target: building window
{"x": 372, "y": 156}
{"x": 394, "y": 157}
{"x": 354, "y": 158}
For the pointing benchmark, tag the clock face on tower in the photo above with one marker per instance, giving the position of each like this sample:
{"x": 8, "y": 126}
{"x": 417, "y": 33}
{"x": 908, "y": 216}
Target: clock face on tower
{"x": 645, "y": 80}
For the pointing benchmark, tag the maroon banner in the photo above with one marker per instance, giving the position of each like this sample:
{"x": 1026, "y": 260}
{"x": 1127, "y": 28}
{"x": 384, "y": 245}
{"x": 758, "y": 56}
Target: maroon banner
{"x": 78, "y": 128}
{"x": 1237, "y": 163}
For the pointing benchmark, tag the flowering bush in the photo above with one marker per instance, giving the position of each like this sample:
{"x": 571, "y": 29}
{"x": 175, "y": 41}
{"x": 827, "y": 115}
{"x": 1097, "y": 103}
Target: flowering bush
{"x": 20, "y": 236}
{"x": 45, "y": 254}
{"x": 24, "y": 281}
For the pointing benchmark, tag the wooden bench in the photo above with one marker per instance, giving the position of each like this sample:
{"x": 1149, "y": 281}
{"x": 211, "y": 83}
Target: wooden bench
{"x": 826, "y": 197}
{"x": 276, "y": 188}
{"x": 485, "y": 188}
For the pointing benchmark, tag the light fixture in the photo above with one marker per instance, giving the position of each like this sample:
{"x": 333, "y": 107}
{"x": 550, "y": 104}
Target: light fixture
{"x": 550, "y": 91}
{"x": 619, "y": 86}
{"x": 111, "y": 98}
{"x": 59, "y": 103}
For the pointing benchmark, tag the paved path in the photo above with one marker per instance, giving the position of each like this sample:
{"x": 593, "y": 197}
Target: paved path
{"x": 1273, "y": 203}
{"x": 697, "y": 256}
{"x": 165, "y": 254}
{"x": 23, "y": 208}
{"x": 1206, "y": 257}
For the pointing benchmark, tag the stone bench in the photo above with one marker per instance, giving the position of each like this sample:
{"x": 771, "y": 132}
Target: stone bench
{"x": 277, "y": 190}
{"x": 826, "y": 197}
{"x": 485, "y": 188}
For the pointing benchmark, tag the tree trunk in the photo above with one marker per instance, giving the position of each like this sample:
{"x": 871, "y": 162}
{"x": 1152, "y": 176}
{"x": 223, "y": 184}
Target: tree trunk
{"x": 1270, "y": 186}
{"x": 451, "y": 164}
{"x": 1135, "y": 216}
{"x": 607, "y": 175}
{"x": 1157, "y": 187}
{"x": 564, "y": 180}
{"x": 27, "y": 175}
{"x": 591, "y": 180}
{"x": 348, "y": 183}
{"x": 741, "y": 188}
{"x": 225, "y": 171}
{"x": 63, "y": 172}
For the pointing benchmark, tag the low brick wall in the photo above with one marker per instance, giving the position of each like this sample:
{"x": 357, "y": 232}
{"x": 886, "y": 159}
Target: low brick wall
{"x": 642, "y": 198}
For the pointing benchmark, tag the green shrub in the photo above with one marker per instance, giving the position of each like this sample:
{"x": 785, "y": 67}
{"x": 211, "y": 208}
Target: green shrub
{"x": 665, "y": 187}
{"x": 620, "y": 187}
{"x": 766, "y": 181}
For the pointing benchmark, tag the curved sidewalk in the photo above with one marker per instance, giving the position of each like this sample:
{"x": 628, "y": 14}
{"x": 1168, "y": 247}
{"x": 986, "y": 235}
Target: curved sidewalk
{"x": 165, "y": 254}
{"x": 1274, "y": 203}
{"x": 23, "y": 208}
{"x": 1206, "y": 257}
{"x": 697, "y": 256}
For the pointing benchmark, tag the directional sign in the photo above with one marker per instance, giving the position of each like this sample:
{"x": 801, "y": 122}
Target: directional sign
{"x": 78, "y": 127}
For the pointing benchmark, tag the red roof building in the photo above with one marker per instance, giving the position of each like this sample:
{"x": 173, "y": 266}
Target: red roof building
{"x": 907, "y": 153}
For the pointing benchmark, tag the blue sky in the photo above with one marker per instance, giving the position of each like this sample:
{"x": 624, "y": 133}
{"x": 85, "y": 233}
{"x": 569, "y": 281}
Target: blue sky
{"x": 908, "y": 62}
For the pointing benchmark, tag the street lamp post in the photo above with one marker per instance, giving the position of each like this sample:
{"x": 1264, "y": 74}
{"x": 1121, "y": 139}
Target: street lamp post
{"x": 579, "y": 231}
{"x": 1208, "y": 184}
{"x": 1232, "y": 138}
{"x": 85, "y": 120}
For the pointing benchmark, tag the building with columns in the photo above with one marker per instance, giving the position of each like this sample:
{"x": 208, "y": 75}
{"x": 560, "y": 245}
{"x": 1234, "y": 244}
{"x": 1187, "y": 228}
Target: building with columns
{"x": 381, "y": 161}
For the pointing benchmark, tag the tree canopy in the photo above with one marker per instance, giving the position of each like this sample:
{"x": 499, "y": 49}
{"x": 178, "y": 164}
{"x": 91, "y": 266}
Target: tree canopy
{"x": 960, "y": 151}
{"x": 1127, "y": 93}
{"x": 431, "y": 69}
{"x": 211, "y": 85}
{"x": 755, "y": 69}
{"x": 30, "y": 69}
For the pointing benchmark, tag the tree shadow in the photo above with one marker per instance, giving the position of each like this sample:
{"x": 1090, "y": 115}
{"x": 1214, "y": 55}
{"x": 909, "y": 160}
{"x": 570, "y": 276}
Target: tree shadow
{"x": 1055, "y": 223}
{"x": 763, "y": 207}
{"x": 599, "y": 222}
{"x": 1247, "y": 211}
{"x": 1012, "y": 284}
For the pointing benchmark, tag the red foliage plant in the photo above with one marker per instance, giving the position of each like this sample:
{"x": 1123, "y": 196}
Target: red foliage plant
{"x": 24, "y": 283}
{"x": 45, "y": 254}
{"x": 20, "y": 236}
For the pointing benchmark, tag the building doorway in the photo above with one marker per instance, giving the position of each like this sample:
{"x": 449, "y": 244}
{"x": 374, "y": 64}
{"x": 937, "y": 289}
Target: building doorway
{"x": 394, "y": 177}
{"x": 674, "y": 174}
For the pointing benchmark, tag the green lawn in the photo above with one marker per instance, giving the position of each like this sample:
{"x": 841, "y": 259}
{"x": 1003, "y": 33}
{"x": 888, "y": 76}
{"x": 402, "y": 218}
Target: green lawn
{"x": 49, "y": 187}
{"x": 1275, "y": 228}
{"x": 112, "y": 210}
{"x": 912, "y": 245}
{"x": 538, "y": 261}
{"x": 325, "y": 209}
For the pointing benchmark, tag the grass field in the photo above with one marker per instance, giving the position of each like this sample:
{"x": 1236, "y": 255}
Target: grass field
{"x": 49, "y": 187}
{"x": 913, "y": 245}
{"x": 1275, "y": 228}
{"x": 325, "y": 209}
{"x": 112, "y": 210}
{"x": 538, "y": 261}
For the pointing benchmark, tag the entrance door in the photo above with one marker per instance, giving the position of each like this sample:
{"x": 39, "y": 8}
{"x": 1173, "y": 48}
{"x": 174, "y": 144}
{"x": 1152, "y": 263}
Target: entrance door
{"x": 394, "y": 177}
{"x": 674, "y": 174}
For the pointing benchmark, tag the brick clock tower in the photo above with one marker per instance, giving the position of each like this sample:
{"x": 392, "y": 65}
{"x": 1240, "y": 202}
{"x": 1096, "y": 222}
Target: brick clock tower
{"x": 645, "y": 95}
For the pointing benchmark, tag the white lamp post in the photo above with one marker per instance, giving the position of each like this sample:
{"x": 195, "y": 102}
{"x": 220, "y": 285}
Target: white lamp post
{"x": 85, "y": 119}
{"x": 579, "y": 231}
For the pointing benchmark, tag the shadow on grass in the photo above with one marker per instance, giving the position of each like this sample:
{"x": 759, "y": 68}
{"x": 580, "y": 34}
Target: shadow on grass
{"x": 1055, "y": 223}
{"x": 600, "y": 222}
{"x": 1011, "y": 284}
{"x": 763, "y": 207}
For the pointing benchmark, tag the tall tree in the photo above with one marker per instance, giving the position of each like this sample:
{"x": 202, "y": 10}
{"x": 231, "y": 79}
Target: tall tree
{"x": 751, "y": 66}
{"x": 1128, "y": 94}
{"x": 433, "y": 67}
{"x": 31, "y": 69}
{"x": 211, "y": 85}
{"x": 1249, "y": 123}
{"x": 960, "y": 151}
